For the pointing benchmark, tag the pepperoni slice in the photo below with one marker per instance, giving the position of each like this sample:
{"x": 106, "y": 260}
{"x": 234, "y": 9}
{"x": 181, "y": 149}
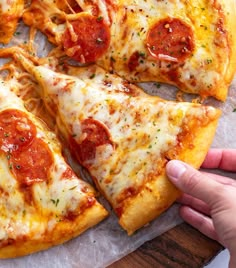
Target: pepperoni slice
{"x": 94, "y": 134}
{"x": 32, "y": 164}
{"x": 170, "y": 39}
{"x": 86, "y": 39}
{"x": 16, "y": 130}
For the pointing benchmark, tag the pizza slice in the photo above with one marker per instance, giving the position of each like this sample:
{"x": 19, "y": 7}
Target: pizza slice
{"x": 123, "y": 136}
{"x": 190, "y": 44}
{"x": 10, "y": 13}
{"x": 42, "y": 202}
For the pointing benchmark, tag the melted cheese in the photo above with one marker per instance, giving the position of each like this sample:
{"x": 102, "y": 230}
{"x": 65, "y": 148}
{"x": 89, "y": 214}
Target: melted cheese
{"x": 207, "y": 71}
{"x": 201, "y": 73}
{"x": 51, "y": 19}
{"x": 6, "y": 5}
{"x": 143, "y": 128}
{"x": 10, "y": 12}
{"x": 51, "y": 201}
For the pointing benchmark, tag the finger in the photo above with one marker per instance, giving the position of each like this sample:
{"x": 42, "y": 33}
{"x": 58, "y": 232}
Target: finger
{"x": 221, "y": 158}
{"x": 194, "y": 203}
{"x": 199, "y": 221}
{"x": 221, "y": 179}
{"x": 193, "y": 182}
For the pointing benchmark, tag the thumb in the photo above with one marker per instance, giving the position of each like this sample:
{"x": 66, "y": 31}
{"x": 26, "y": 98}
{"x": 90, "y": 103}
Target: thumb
{"x": 192, "y": 182}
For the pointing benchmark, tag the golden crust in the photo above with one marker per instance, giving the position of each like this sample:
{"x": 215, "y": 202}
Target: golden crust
{"x": 159, "y": 194}
{"x": 64, "y": 231}
{"x": 230, "y": 15}
{"x": 155, "y": 198}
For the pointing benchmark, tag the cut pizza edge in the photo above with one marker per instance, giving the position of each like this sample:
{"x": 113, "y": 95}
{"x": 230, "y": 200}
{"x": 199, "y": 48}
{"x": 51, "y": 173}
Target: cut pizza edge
{"x": 158, "y": 195}
{"x": 55, "y": 226}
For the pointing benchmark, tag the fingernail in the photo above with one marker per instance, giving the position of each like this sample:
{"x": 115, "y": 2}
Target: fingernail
{"x": 175, "y": 169}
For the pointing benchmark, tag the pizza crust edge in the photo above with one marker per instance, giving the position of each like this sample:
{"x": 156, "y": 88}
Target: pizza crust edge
{"x": 230, "y": 14}
{"x": 160, "y": 193}
{"x": 63, "y": 231}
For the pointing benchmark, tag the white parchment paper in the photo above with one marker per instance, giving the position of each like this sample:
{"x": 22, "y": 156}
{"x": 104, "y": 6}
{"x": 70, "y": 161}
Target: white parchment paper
{"x": 107, "y": 242}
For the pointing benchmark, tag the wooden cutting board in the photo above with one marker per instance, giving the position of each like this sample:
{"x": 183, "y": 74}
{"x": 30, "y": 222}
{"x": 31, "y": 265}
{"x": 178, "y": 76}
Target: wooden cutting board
{"x": 181, "y": 247}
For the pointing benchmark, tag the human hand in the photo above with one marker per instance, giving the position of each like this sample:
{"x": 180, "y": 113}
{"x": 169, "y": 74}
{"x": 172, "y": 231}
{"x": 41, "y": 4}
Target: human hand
{"x": 209, "y": 200}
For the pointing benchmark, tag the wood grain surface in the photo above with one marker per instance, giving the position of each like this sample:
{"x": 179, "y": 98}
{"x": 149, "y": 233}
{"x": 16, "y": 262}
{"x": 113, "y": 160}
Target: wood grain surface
{"x": 181, "y": 247}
